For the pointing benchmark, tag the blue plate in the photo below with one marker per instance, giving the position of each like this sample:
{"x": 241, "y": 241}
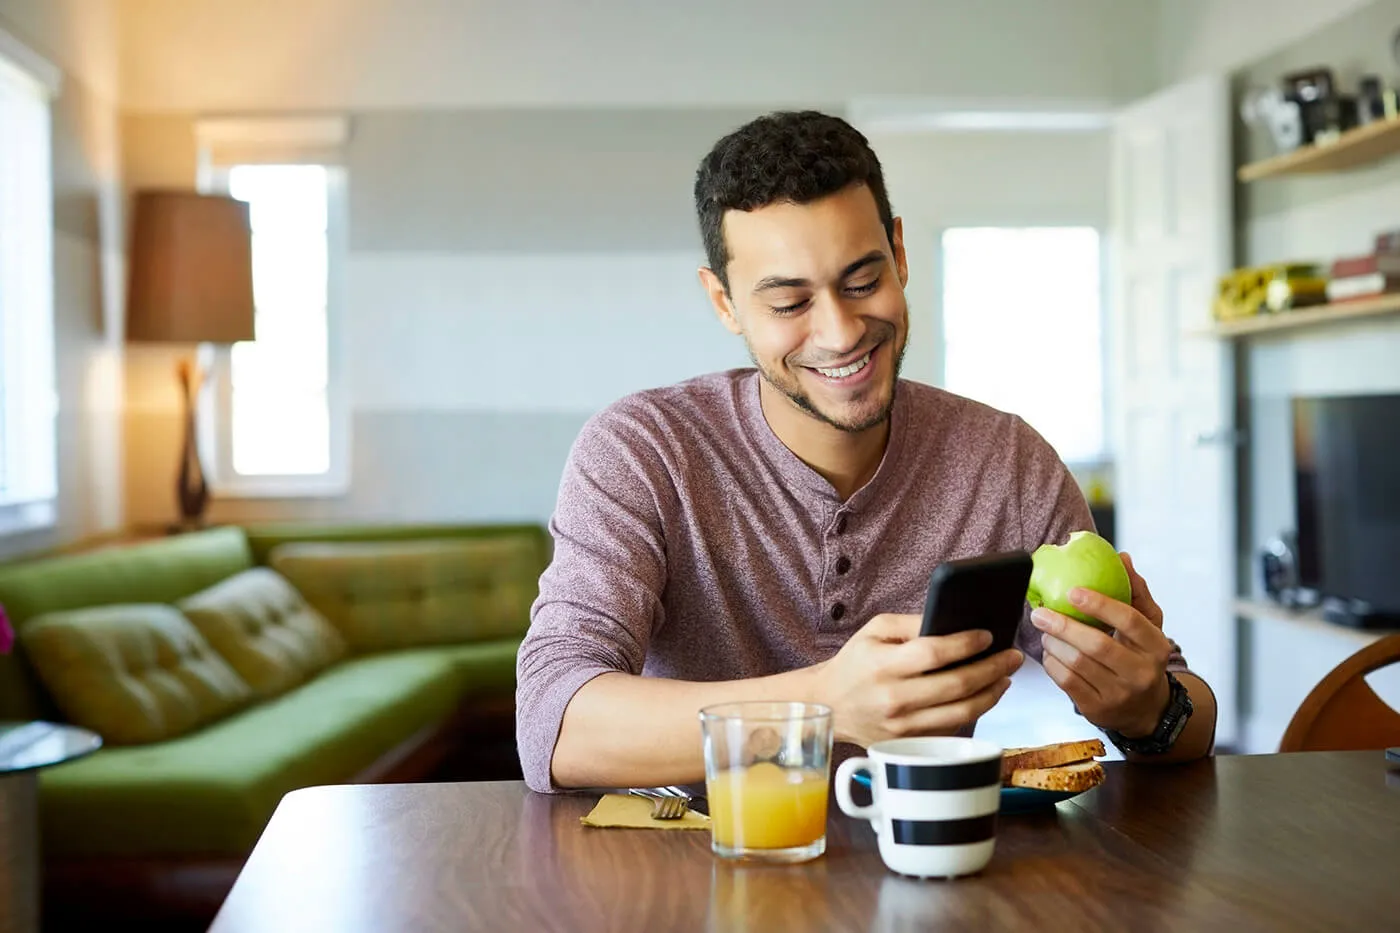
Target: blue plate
{"x": 1013, "y": 799}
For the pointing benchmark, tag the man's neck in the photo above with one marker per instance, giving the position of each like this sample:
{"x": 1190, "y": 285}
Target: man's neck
{"x": 847, "y": 460}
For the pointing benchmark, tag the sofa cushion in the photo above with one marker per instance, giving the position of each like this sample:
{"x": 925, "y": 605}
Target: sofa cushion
{"x": 212, "y": 791}
{"x": 265, "y": 630}
{"x": 131, "y": 673}
{"x": 397, "y": 594}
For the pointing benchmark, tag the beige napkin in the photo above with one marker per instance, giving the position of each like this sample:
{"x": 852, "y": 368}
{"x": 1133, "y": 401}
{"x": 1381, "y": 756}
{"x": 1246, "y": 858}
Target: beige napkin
{"x": 624, "y": 811}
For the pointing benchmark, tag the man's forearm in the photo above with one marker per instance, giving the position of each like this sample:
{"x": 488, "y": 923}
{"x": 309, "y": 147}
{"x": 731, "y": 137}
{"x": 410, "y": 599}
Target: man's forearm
{"x": 621, "y": 730}
{"x": 1196, "y": 739}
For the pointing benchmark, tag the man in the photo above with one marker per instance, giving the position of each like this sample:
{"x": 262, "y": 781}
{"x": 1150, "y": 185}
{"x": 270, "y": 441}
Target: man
{"x": 768, "y": 533}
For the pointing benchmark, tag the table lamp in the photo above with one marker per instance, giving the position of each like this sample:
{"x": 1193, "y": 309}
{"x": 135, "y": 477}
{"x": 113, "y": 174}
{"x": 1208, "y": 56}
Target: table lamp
{"x": 190, "y": 281}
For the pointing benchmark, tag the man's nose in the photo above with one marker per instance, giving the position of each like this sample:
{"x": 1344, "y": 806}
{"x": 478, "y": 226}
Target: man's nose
{"x": 836, "y": 327}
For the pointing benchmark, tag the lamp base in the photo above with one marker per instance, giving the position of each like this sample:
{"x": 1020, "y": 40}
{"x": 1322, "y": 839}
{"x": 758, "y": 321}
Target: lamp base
{"x": 191, "y": 490}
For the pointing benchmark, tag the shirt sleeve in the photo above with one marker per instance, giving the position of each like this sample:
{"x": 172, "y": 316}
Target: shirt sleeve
{"x": 600, "y": 599}
{"x": 1052, "y": 506}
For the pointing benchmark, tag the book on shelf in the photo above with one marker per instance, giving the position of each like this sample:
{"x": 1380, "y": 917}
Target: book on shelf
{"x": 1368, "y": 285}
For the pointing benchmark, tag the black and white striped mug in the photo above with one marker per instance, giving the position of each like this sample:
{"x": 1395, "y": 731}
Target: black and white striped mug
{"x": 935, "y": 803}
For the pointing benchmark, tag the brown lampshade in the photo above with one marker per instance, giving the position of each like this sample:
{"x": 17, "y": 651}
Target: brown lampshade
{"x": 191, "y": 269}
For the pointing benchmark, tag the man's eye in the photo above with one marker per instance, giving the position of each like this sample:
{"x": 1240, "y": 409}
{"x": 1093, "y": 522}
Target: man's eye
{"x": 789, "y": 309}
{"x": 863, "y": 289}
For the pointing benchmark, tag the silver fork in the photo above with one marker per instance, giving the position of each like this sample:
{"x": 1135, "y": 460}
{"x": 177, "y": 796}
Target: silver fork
{"x": 665, "y": 805}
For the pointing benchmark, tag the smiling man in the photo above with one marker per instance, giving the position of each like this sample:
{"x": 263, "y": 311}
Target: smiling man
{"x": 768, "y": 533}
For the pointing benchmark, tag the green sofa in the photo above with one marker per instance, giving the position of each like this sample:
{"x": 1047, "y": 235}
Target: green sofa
{"x": 161, "y": 827}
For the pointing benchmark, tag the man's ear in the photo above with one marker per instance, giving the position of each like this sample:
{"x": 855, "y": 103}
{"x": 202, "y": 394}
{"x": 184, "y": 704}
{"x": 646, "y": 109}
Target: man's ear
{"x": 719, "y": 297}
{"x": 901, "y": 263}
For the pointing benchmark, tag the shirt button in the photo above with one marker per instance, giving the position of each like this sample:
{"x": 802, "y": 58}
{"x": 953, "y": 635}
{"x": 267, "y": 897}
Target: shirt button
{"x": 843, "y": 563}
{"x": 838, "y": 612}
{"x": 841, "y": 524}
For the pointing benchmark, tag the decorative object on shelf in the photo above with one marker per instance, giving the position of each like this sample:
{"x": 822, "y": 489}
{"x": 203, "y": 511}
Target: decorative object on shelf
{"x": 1282, "y": 117}
{"x": 1375, "y": 101}
{"x": 1269, "y": 290}
{"x": 1326, "y": 112}
{"x": 191, "y": 282}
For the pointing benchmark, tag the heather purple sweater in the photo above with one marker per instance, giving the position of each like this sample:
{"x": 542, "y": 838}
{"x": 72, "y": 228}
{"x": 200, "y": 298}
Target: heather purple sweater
{"x": 691, "y": 543}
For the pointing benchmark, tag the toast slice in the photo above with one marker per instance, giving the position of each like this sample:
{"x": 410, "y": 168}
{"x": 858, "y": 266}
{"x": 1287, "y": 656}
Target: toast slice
{"x": 1073, "y": 778}
{"x": 1049, "y": 756}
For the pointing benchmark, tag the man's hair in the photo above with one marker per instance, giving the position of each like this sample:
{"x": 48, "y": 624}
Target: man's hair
{"x": 791, "y": 156}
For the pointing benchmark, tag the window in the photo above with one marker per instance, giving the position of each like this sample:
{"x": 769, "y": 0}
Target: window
{"x": 1022, "y": 329}
{"x": 275, "y": 419}
{"x": 28, "y": 396}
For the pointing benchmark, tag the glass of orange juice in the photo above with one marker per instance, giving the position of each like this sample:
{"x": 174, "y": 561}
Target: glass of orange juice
{"x": 767, "y": 778}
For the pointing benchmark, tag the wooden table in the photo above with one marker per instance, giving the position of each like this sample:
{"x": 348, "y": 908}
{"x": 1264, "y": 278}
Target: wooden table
{"x": 1270, "y": 842}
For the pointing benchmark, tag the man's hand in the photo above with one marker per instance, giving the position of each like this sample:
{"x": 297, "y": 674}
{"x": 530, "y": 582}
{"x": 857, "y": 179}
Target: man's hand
{"x": 1116, "y": 681}
{"x": 879, "y": 686}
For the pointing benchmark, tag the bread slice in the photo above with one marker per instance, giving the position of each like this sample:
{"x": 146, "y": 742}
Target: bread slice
{"x": 1050, "y": 756}
{"x": 1074, "y": 778}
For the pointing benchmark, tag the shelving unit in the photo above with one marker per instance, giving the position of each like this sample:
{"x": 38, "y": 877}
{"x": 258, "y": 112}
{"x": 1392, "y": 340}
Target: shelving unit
{"x": 1310, "y": 619}
{"x": 1354, "y": 148}
{"x": 1308, "y": 317}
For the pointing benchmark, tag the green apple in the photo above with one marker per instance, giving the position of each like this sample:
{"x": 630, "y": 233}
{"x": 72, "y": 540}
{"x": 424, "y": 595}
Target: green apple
{"x": 1086, "y": 560}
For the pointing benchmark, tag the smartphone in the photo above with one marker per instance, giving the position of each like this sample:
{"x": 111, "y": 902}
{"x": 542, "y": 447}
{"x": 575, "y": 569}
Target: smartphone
{"x": 986, "y": 592}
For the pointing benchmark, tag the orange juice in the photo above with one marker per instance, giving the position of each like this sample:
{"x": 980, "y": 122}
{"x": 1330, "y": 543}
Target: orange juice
{"x": 764, "y": 806}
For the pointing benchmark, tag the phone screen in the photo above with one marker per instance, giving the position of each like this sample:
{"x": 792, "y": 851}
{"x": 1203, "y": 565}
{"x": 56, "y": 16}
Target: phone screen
{"x": 986, "y": 592}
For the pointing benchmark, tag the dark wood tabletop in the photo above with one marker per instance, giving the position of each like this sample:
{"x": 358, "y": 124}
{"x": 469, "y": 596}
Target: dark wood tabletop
{"x": 1270, "y": 842}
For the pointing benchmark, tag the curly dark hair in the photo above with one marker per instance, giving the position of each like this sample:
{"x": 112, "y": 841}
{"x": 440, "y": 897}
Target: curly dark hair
{"x": 788, "y": 156}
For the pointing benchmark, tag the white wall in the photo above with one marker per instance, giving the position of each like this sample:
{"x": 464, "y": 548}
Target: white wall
{"x": 1198, "y": 36}
{"x": 80, "y": 37}
{"x": 356, "y": 54}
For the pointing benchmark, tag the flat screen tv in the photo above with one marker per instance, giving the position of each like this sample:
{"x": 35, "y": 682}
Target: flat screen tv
{"x": 1346, "y": 455}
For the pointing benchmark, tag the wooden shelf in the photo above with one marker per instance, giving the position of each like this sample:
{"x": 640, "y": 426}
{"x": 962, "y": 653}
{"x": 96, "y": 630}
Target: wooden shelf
{"x": 1308, "y": 317}
{"x": 1354, "y": 148}
{"x": 1305, "y": 618}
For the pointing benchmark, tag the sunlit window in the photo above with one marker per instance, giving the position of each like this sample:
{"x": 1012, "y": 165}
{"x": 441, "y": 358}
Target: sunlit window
{"x": 1022, "y": 329}
{"x": 280, "y": 405}
{"x": 28, "y": 398}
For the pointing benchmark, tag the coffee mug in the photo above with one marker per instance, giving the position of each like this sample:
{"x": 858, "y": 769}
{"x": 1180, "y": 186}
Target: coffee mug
{"x": 935, "y": 803}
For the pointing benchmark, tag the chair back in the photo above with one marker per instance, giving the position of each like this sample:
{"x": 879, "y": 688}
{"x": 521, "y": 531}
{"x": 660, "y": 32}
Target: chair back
{"x": 1343, "y": 713}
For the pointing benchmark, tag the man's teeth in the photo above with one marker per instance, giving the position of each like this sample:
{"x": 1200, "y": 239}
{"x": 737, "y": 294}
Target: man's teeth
{"x": 845, "y": 371}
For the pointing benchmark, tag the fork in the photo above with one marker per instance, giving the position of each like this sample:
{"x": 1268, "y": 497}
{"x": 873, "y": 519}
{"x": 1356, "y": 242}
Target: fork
{"x": 665, "y": 804}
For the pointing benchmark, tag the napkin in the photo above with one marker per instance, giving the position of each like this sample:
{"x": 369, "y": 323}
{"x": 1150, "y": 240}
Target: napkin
{"x": 625, "y": 811}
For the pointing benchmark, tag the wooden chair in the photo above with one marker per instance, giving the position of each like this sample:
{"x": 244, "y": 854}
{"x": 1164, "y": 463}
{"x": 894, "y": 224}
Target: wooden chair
{"x": 1343, "y": 713}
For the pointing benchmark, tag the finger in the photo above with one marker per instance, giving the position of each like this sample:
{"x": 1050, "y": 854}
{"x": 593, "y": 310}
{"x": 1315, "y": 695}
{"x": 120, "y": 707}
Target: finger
{"x": 922, "y": 655}
{"x": 1075, "y": 687}
{"x": 893, "y": 627}
{"x": 1087, "y": 640}
{"x": 949, "y": 717}
{"x": 1126, "y": 620}
{"x": 1142, "y": 596}
{"x": 1101, "y": 678}
{"x": 950, "y": 686}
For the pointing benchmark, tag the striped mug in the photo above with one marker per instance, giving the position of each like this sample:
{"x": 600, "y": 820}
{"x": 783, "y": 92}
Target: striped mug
{"x": 935, "y": 803}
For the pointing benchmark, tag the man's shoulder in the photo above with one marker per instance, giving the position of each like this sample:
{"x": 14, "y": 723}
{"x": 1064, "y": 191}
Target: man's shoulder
{"x": 950, "y": 411}
{"x": 946, "y": 420}
{"x": 708, "y": 404}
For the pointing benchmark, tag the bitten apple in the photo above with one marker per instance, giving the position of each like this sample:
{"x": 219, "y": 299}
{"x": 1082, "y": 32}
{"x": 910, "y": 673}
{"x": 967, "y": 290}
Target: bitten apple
{"x": 1085, "y": 560}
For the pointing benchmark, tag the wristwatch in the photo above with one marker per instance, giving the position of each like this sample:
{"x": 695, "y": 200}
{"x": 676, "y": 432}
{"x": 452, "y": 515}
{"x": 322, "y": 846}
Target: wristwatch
{"x": 1168, "y": 730}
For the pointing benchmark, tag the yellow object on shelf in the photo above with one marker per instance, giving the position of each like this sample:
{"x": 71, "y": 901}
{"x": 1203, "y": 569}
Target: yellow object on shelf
{"x": 1268, "y": 290}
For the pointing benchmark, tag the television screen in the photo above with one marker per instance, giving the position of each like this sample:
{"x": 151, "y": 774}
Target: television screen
{"x": 1346, "y": 455}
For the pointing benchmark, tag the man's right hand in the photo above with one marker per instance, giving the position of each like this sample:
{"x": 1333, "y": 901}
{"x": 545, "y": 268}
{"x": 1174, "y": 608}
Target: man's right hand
{"x": 879, "y": 684}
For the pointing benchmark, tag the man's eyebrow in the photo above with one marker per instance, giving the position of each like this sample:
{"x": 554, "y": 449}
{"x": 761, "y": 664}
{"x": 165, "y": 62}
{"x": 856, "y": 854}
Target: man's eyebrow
{"x": 778, "y": 281}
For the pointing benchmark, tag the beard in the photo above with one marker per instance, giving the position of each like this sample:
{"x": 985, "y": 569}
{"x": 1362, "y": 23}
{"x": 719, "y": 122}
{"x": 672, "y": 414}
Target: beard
{"x": 791, "y": 389}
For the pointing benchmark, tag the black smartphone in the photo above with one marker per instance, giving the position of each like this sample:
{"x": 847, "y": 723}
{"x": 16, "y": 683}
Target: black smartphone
{"x": 986, "y": 592}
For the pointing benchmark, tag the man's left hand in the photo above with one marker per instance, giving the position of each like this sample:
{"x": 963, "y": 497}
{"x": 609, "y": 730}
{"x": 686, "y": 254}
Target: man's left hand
{"x": 1117, "y": 681}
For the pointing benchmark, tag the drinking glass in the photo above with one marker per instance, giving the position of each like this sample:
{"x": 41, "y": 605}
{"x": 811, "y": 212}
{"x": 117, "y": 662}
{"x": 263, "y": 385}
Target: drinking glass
{"x": 767, "y": 778}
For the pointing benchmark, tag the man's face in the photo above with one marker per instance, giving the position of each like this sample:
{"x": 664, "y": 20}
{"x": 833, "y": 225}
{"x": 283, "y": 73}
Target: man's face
{"x": 817, "y": 292}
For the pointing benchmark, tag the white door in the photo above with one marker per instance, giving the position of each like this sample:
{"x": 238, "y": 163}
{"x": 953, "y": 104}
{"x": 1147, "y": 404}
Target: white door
{"x": 1173, "y": 395}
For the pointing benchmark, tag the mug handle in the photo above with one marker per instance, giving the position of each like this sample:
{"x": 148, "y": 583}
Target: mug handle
{"x": 844, "y": 775}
